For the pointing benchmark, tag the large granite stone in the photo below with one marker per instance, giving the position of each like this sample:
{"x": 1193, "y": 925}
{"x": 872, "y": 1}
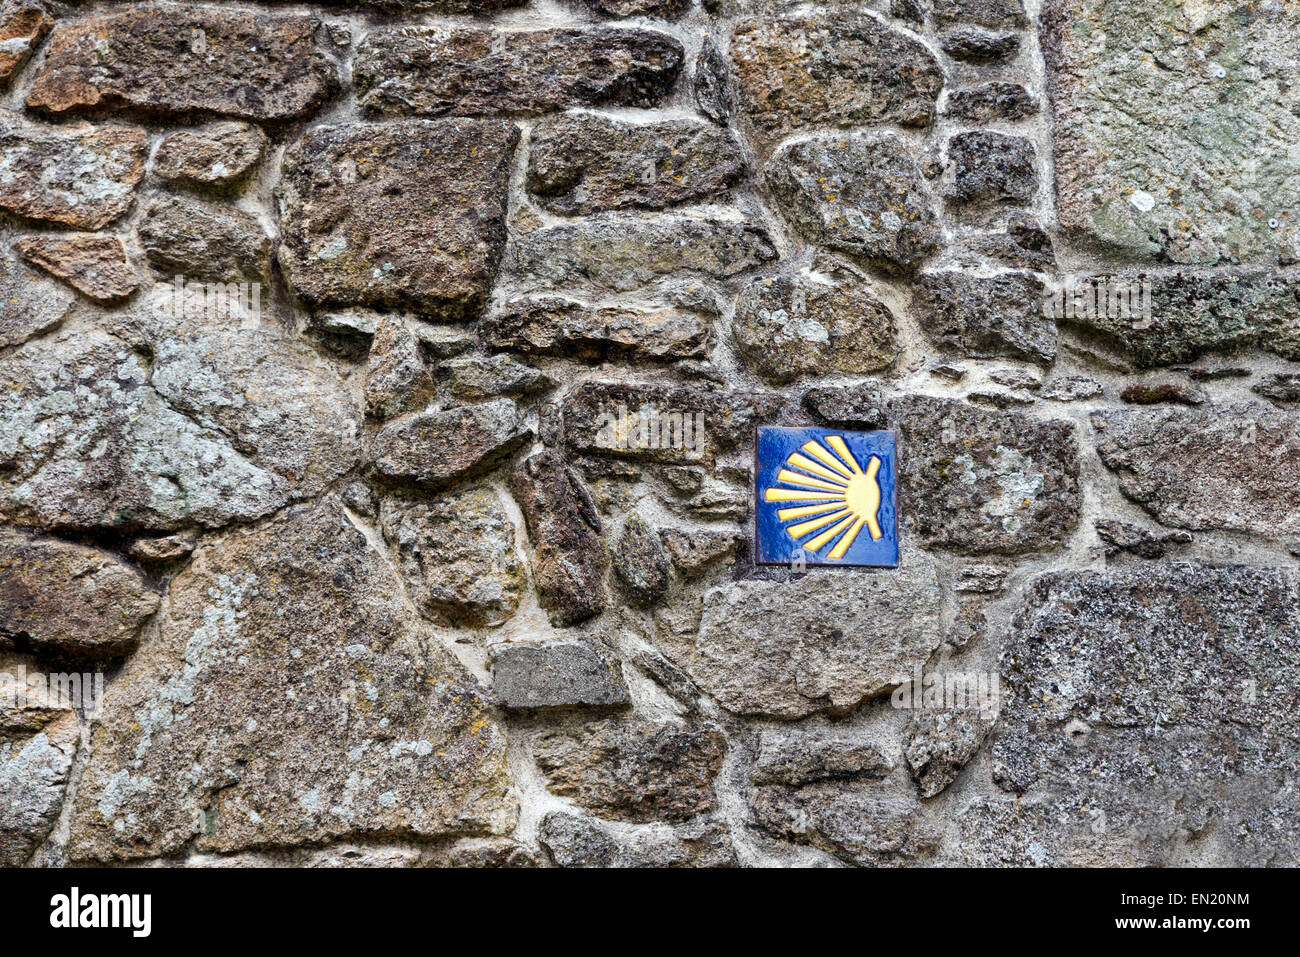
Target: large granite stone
{"x": 367, "y": 219}
{"x": 290, "y": 698}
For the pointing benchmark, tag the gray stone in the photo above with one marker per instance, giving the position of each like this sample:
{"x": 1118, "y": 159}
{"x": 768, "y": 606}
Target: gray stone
{"x": 621, "y": 252}
{"x": 568, "y": 554}
{"x": 833, "y": 69}
{"x": 225, "y": 424}
{"x": 174, "y": 61}
{"x": 582, "y": 163}
{"x": 367, "y": 220}
{"x": 937, "y": 744}
{"x": 29, "y": 304}
{"x": 1184, "y": 315}
{"x": 81, "y": 176}
{"x": 474, "y": 378}
{"x": 558, "y": 674}
{"x": 980, "y": 46}
{"x": 861, "y": 194}
{"x": 163, "y": 550}
{"x": 397, "y": 380}
{"x": 1281, "y": 387}
{"x": 991, "y": 102}
{"x": 289, "y": 699}
{"x": 1174, "y": 138}
{"x": 457, "y": 552}
{"x": 1149, "y": 704}
{"x": 853, "y": 824}
{"x": 801, "y": 757}
{"x": 551, "y": 326}
{"x": 715, "y": 90}
{"x": 1232, "y": 467}
{"x": 823, "y": 642}
{"x": 205, "y": 242}
{"x": 641, "y": 562}
{"x": 990, "y": 168}
{"x": 1125, "y": 537}
{"x": 69, "y": 600}
{"x": 435, "y": 71}
{"x": 985, "y": 482}
{"x": 984, "y": 13}
{"x": 986, "y": 317}
{"x": 1179, "y": 391}
{"x": 218, "y": 156}
{"x": 1071, "y": 388}
{"x": 618, "y": 9}
{"x": 668, "y": 424}
{"x": 1024, "y": 243}
{"x": 693, "y": 550}
{"x": 38, "y": 741}
{"x": 436, "y": 447}
{"x": 573, "y": 841}
{"x": 847, "y": 406}
{"x": 634, "y": 770}
{"x": 792, "y": 325}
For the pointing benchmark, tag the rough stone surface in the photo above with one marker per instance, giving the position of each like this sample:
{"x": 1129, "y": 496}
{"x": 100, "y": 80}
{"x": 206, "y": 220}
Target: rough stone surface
{"x": 61, "y": 598}
{"x": 791, "y": 325}
{"x": 584, "y": 163}
{"x": 849, "y": 823}
{"x": 552, "y": 326}
{"x": 173, "y": 61}
{"x": 205, "y": 242}
{"x": 436, "y": 447}
{"x": 474, "y": 378}
{"x": 621, "y": 253}
{"x": 433, "y": 71}
{"x": 457, "y": 552}
{"x": 988, "y": 167}
{"x": 984, "y": 13}
{"x": 1281, "y": 387}
{"x": 990, "y": 102}
{"x": 558, "y": 674}
{"x": 1193, "y": 314}
{"x": 693, "y": 551}
{"x": 568, "y": 554}
{"x": 38, "y": 742}
{"x": 985, "y": 482}
{"x": 1154, "y": 697}
{"x": 83, "y": 177}
{"x": 367, "y": 220}
{"x": 822, "y": 643}
{"x": 995, "y": 317}
{"x": 641, "y": 561}
{"x": 225, "y": 425}
{"x": 30, "y": 303}
{"x": 848, "y": 406}
{"x": 838, "y": 69}
{"x": 1174, "y": 138}
{"x": 396, "y": 378}
{"x": 214, "y": 157}
{"x": 1124, "y": 537}
{"x": 574, "y": 841}
{"x": 715, "y": 90}
{"x": 635, "y": 770}
{"x": 384, "y": 733}
{"x": 796, "y": 758}
{"x": 22, "y": 27}
{"x": 95, "y": 266}
{"x": 980, "y": 46}
{"x": 937, "y": 745}
{"x": 1223, "y": 467}
{"x": 860, "y": 194}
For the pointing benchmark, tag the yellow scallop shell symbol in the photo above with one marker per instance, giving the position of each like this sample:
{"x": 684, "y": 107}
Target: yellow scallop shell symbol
{"x": 840, "y": 492}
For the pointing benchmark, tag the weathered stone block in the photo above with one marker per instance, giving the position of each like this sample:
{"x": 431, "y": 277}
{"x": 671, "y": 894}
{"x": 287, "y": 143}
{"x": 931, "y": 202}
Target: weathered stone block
{"x": 558, "y": 674}
{"x": 368, "y": 220}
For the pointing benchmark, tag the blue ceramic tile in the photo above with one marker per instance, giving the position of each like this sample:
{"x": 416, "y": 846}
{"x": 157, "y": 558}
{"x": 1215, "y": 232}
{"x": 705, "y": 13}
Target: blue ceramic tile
{"x": 829, "y": 493}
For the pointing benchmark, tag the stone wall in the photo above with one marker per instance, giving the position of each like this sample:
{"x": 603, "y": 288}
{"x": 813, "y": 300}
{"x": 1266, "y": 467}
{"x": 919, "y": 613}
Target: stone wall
{"x": 316, "y": 322}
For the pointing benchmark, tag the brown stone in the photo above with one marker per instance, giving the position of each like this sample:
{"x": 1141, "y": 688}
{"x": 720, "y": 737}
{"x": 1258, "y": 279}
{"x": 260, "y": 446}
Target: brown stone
{"x": 95, "y": 266}
{"x": 173, "y": 61}
{"x": 21, "y": 29}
